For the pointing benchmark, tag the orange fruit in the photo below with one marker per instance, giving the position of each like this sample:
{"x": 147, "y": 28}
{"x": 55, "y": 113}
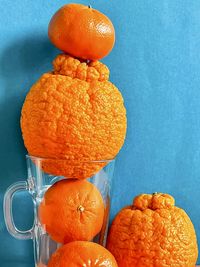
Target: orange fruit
{"x": 82, "y": 253}
{"x": 72, "y": 210}
{"x": 73, "y": 116}
{"x": 82, "y": 31}
{"x": 153, "y": 232}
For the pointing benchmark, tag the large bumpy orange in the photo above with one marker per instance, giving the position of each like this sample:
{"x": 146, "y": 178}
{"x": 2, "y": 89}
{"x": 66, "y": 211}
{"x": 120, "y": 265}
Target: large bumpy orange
{"x": 80, "y": 253}
{"x": 153, "y": 233}
{"x": 82, "y": 31}
{"x": 72, "y": 210}
{"x": 73, "y": 116}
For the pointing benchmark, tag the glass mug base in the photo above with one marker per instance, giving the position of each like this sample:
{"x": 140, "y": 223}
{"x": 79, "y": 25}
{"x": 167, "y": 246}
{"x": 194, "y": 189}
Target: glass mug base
{"x": 37, "y": 183}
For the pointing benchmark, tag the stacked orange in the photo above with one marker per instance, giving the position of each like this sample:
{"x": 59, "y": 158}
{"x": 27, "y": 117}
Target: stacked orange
{"x": 72, "y": 210}
{"x": 74, "y": 118}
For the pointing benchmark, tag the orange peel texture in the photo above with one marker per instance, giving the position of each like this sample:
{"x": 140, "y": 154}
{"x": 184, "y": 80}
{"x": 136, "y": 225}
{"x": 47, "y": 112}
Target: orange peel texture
{"x": 153, "y": 233}
{"x": 82, "y": 253}
{"x": 82, "y": 31}
{"x": 74, "y": 68}
{"x": 72, "y": 210}
{"x": 72, "y": 119}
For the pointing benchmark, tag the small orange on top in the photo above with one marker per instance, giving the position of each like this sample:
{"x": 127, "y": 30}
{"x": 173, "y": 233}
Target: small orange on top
{"x": 82, "y": 31}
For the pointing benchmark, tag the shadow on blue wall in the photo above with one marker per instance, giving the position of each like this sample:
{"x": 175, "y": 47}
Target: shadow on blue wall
{"x": 27, "y": 57}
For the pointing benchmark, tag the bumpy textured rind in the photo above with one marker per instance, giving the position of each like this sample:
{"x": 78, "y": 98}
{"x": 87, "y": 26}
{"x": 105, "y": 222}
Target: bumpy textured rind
{"x": 73, "y": 120}
{"x": 74, "y": 68}
{"x": 160, "y": 235}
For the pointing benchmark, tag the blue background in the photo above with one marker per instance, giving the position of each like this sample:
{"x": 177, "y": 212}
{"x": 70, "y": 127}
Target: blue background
{"x": 156, "y": 65}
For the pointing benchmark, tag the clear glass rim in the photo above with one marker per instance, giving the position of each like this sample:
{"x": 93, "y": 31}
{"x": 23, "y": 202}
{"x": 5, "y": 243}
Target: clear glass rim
{"x": 34, "y": 158}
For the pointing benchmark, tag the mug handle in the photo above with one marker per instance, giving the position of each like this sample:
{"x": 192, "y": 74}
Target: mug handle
{"x": 8, "y": 214}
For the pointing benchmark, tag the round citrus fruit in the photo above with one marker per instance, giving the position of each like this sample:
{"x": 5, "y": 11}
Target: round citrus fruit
{"x": 72, "y": 210}
{"x": 82, "y": 31}
{"x": 153, "y": 233}
{"x": 74, "y": 117}
{"x": 82, "y": 253}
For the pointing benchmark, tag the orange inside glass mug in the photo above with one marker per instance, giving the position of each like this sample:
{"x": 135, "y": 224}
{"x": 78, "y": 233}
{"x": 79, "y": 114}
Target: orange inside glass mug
{"x": 38, "y": 184}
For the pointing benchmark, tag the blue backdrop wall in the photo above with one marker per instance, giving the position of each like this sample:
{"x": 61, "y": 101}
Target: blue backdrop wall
{"x": 156, "y": 65}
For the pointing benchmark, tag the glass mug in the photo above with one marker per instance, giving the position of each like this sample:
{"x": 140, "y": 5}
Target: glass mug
{"x": 37, "y": 183}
